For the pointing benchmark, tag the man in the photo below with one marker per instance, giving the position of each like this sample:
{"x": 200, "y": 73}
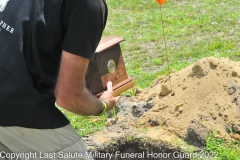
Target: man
{"x": 45, "y": 47}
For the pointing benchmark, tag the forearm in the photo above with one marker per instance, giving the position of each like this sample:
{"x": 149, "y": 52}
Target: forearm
{"x": 70, "y": 91}
{"x": 85, "y": 104}
{"x": 75, "y": 98}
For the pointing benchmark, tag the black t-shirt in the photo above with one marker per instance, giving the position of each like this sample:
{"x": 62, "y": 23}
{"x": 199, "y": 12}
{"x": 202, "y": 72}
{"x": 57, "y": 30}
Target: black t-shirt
{"x": 83, "y": 20}
{"x": 33, "y": 34}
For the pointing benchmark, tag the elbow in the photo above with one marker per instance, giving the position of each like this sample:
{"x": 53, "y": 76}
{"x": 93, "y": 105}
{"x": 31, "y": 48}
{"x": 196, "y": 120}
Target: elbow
{"x": 71, "y": 104}
{"x": 63, "y": 102}
{"x": 66, "y": 102}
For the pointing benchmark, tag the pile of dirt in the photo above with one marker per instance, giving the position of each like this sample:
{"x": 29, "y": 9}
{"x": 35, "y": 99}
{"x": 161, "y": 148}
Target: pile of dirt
{"x": 190, "y": 103}
{"x": 203, "y": 97}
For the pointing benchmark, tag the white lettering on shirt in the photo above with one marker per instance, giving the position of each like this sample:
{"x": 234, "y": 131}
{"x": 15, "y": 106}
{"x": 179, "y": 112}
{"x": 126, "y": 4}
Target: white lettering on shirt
{"x": 6, "y": 27}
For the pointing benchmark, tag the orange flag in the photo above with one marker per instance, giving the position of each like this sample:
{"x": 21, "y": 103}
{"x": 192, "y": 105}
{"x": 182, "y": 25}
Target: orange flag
{"x": 161, "y": 1}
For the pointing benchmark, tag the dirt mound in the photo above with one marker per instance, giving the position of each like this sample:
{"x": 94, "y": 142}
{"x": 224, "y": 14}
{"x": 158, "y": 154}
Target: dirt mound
{"x": 188, "y": 104}
{"x": 200, "y": 98}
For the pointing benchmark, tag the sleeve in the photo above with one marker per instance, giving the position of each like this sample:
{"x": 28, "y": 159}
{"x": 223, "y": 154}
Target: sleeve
{"x": 83, "y": 23}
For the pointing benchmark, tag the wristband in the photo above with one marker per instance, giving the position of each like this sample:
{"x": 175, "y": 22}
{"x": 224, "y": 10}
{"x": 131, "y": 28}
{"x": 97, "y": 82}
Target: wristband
{"x": 105, "y": 107}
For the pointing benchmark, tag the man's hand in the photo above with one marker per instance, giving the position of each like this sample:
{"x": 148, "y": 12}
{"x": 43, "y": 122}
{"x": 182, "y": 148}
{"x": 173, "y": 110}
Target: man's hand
{"x": 108, "y": 97}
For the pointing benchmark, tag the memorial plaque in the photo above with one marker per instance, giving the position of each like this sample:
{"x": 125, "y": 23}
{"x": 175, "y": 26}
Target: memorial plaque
{"x": 108, "y": 65}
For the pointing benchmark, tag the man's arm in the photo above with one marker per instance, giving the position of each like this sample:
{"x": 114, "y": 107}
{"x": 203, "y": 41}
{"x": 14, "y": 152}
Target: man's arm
{"x": 70, "y": 90}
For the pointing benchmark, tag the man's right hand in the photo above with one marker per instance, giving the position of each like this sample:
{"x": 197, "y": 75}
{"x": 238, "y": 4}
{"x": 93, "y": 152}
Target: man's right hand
{"x": 107, "y": 96}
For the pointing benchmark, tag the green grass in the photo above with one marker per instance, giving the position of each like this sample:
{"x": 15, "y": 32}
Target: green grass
{"x": 86, "y": 125}
{"x": 225, "y": 150}
{"x": 194, "y": 29}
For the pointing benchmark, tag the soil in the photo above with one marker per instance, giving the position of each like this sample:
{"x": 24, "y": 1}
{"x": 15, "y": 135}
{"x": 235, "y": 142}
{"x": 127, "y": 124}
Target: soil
{"x": 133, "y": 149}
{"x": 187, "y": 104}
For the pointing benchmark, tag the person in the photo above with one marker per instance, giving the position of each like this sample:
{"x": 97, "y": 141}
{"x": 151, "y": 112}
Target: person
{"x": 45, "y": 48}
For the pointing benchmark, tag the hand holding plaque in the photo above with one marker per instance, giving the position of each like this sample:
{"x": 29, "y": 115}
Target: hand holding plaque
{"x": 108, "y": 65}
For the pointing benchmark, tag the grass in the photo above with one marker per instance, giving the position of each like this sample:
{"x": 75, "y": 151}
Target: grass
{"x": 194, "y": 29}
{"x": 86, "y": 125}
{"x": 223, "y": 149}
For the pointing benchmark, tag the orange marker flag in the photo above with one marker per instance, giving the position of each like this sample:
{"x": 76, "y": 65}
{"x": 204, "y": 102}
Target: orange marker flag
{"x": 161, "y": 1}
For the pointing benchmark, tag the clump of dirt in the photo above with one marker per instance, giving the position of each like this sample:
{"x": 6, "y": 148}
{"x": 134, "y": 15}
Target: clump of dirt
{"x": 190, "y": 103}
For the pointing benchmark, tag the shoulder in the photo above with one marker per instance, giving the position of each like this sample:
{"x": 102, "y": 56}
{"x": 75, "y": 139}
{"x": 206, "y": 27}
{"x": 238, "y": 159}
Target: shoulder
{"x": 85, "y": 4}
